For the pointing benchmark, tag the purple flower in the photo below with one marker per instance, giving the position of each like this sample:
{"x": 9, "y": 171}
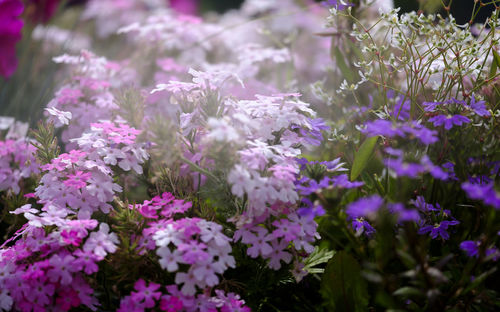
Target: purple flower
{"x": 404, "y": 215}
{"x": 411, "y": 170}
{"x": 401, "y": 110}
{"x": 382, "y": 127}
{"x": 431, "y": 106}
{"x": 471, "y": 248}
{"x": 310, "y": 210}
{"x": 337, "y": 4}
{"x": 10, "y": 33}
{"x": 421, "y": 205}
{"x": 438, "y": 229}
{"x": 364, "y": 207}
{"x": 361, "y": 226}
{"x": 145, "y": 295}
{"x": 342, "y": 181}
{"x": 426, "y": 136}
{"x": 484, "y": 192}
{"x": 434, "y": 170}
{"x": 314, "y": 135}
{"x": 448, "y": 121}
{"x": 479, "y": 107}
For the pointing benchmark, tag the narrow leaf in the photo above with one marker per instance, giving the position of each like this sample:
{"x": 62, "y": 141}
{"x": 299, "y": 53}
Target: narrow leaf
{"x": 346, "y": 71}
{"x": 342, "y": 286}
{"x": 362, "y": 156}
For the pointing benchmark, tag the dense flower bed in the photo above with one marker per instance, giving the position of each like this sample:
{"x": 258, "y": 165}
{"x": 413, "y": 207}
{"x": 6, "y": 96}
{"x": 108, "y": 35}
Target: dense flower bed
{"x": 287, "y": 156}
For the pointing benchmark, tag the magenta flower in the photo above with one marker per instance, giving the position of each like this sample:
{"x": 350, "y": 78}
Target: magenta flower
{"x": 77, "y": 180}
{"x": 10, "y": 33}
{"x": 193, "y": 252}
{"x": 171, "y": 304}
{"x": 145, "y": 295}
{"x": 67, "y": 299}
{"x": 189, "y": 7}
{"x": 62, "y": 269}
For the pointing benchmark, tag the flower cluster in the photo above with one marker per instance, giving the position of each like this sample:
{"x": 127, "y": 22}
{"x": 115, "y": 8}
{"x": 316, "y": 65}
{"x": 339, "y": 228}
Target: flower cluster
{"x": 196, "y": 243}
{"x": 17, "y": 162}
{"x": 171, "y": 300}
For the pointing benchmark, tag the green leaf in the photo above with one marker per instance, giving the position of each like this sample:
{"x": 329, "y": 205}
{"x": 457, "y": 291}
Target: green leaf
{"x": 317, "y": 257}
{"x": 480, "y": 279}
{"x": 342, "y": 286}
{"x": 362, "y": 156}
{"x": 408, "y": 292}
{"x": 495, "y": 64}
{"x": 346, "y": 71}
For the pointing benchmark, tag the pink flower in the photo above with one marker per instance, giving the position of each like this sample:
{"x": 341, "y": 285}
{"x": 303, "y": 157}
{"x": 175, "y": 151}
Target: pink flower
{"x": 67, "y": 299}
{"x": 77, "y": 180}
{"x": 185, "y": 6}
{"x": 62, "y": 269}
{"x": 10, "y": 33}
{"x": 171, "y": 304}
{"x": 193, "y": 252}
{"x": 259, "y": 243}
{"x": 279, "y": 254}
{"x": 145, "y": 295}
{"x": 86, "y": 261}
{"x": 286, "y": 229}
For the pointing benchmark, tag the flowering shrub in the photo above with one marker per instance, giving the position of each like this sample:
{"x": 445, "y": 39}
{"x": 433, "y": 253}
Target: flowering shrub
{"x": 287, "y": 156}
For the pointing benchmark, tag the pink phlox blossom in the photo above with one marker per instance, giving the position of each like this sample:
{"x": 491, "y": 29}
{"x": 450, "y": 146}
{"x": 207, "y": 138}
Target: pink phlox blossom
{"x": 286, "y": 229}
{"x": 24, "y": 209}
{"x": 145, "y": 295}
{"x": 170, "y": 303}
{"x": 102, "y": 242}
{"x": 169, "y": 260}
{"x": 77, "y": 180}
{"x": 189, "y": 282}
{"x": 62, "y": 267}
{"x": 167, "y": 235}
{"x": 279, "y": 254}
{"x": 74, "y": 231}
{"x": 193, "y": 252}
{"x": 67, "y": 299}
{"x": 86, "y": 261}
{"x": 62, "y": 117}
{"x": 259, "y": 241}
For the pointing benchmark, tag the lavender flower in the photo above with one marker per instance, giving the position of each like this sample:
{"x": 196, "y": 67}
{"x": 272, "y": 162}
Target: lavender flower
{"x": 449, "y": 121}
{"x": 478, "y": 107}
{"x": 364, "y": 207}
{"x": 484, "y": 192}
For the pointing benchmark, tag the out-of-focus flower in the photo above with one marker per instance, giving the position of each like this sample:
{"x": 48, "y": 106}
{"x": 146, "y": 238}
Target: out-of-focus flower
{"x": 10, "y": 33}
{"x": 185, "y": 6}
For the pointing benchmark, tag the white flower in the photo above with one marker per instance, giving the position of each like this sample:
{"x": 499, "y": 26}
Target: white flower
{"x": 101, "y": 242}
